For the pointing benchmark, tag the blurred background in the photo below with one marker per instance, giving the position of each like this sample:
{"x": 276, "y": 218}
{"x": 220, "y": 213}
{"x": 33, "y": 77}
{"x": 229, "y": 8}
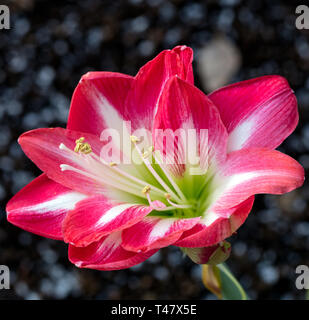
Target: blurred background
{"x": 42, "y": 57}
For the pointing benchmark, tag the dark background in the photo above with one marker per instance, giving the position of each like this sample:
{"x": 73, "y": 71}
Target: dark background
{"x": 42, "y": 57}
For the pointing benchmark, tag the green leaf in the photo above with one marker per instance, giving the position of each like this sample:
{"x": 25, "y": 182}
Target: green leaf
{"x": 231, "y": 288}
{"x": 221, "y": 282}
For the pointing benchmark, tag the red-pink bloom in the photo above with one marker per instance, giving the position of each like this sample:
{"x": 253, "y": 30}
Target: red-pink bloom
{"x": 117, "y": 215}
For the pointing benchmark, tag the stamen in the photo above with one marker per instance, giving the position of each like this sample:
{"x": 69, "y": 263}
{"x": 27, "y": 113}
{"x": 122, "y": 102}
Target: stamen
{"x": 114, "y": 180}
{"x": 128, "y": 187}
{"x": 154, "y": 173}
{"x": 179, "y": 206}
{"x": 63, "y": 147}
{"x": 118, "y": 181}
{"x": 182, "y": 206}
{"x": 170, "y": 179}
{"x": 125, "y": 174}
{"x": 146, "y": 191}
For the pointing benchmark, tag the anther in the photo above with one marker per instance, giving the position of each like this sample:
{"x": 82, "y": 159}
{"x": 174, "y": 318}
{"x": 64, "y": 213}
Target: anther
{"x": 146, "y": 154}
{"x": 112, "y": 164}
{"x": 80, "y": 140}
{"x": 134, "y": 139}
{"x": 146, "y": 190}
{"x": 82, "y": 147}
{"x": 167, "y": 196}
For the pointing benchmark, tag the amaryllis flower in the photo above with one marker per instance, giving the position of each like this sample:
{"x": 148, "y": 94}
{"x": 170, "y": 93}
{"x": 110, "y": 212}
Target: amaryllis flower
{"x": 115, "y": 213}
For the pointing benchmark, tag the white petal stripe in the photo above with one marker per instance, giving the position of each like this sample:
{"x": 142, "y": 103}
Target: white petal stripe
{"x": 62, "y": 202}
{"x": 112, "y": 213}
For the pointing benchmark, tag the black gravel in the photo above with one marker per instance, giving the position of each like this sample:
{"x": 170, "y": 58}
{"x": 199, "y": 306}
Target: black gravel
{"x": 42, "y": 57}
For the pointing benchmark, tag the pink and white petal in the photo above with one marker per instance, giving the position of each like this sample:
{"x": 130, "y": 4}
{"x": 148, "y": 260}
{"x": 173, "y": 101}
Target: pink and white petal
{"x": 214, "y": 228}
{"x": 186, "y": 110}
{"x": 106, "y": 254}
{"x": 185, "y": 55}
{"x": 246, "y": 172}
{"x": 41, "y": 206}
{"x": 254, "y": 171}
{"x": 42, "y": 147}
{"x": 155, "y": 232}
{"x": 98, "y": 102}
{"x": 260, "y": 112}
{"x": 149, "y": 82}
{"x": 98, "y": 216}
